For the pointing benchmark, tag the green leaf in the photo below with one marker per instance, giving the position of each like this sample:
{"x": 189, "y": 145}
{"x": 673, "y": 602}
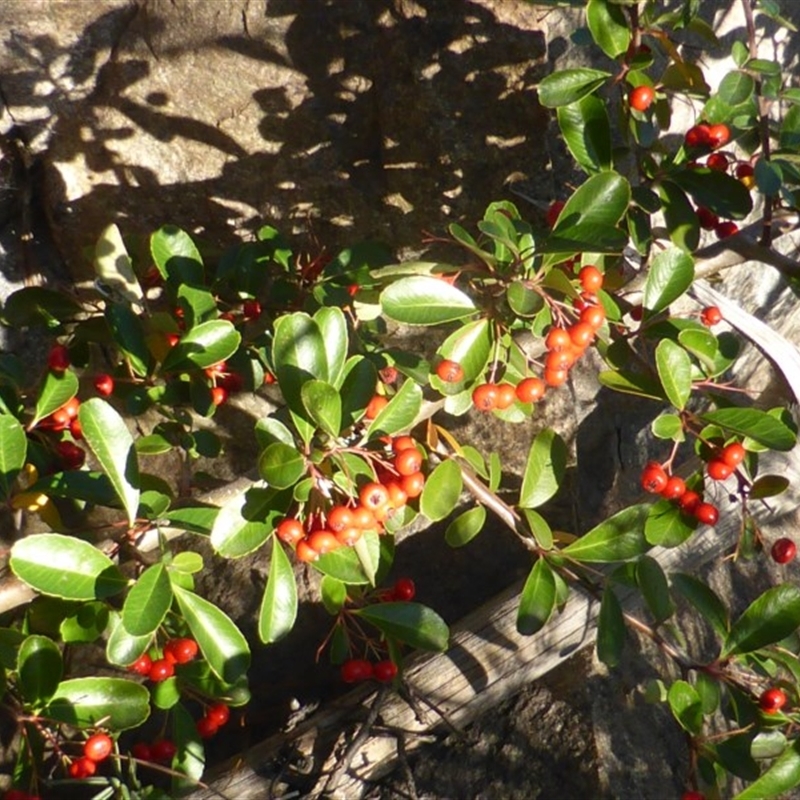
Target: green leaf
{"x": 618, "y": 538}
{"x": 586, "y": 131}
{"x": 203, "y": 346}
{"x": 333, "y": 593}
{"x": 152, "y": 445}
{"x": 115, "y": 703}
{"x": 128, "y": 332}
{"x": 768, "y": 619}
{"x": 13, "y": 449}
{"x": 567, "y": 86}
{"x": 671, "y": 273}
{"x": 190, "y": 761}
{"x": 62, "y": 566}
{"x": 411, "y": 623}
{"x": 122, "y": 649}
{"x": 176, "y": 256}
{"x": 345, "y": 564}
{"x": 675, "y": 372}
{"x": 667, "y": 526}
{"x": 682, "y": 223}
{"x": 609, "y": 27}
{"x": 10, "y": 640}
{"x": 279, "y": 605}
{"x": 768, "y": 744}
{"x": 768, "y": 486}
{"x": 668, "y": 426}
{"x": 736, "y": 87}
{"x": 653, "y": 584}
{"x": 87, "y": 624}
{"x": 195, "y": 519}
{"x": 187, "y": 562}
{"x": 631, "y": 383}
{"x": 221, "y": 642}
{"x": 148, "y": 601}
{"x": 537, "y": 600}
{"x": 470, "y": 346}
{"x": 245, "y": 522}
{"x": 783, "y": 775}
{"x": 610, "y": 629}
{"x": 400, "y": 413}
{"x": 369, "y": 556}
{"x": 198, "y": 305}
{"x": 465, "y": 527}
{"x": 110, "y": 440}
{"x": 540, "y": 529}
{"x": 35, "y": 305}
{"x": 442, "y": 490}
{"x": 333, "y": 328}
{"x": 769, "y": 177}
{"x": 58, "y": 388}
{"x": 39, "y": 665}
{"x": 758, "y": 425}
{"x": 704, "y": 599}
{"x": 281, "y": 466}
{"x": 323, "y": 405}
{"x": 114, "y": 269}
{"x": 166, "y": 694}
{"x": 725, "y": 195}
{"x": 686, "y": 706}
{"x": 422, "y": 300}
{"x": 544, "y": 469}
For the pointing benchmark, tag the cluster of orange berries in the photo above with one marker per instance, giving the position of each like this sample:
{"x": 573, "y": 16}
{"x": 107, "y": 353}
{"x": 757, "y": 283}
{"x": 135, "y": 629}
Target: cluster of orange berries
{"x": 654, "y": 479}
{"x": 344, "y": 524}
{"x": 175, "y": 651}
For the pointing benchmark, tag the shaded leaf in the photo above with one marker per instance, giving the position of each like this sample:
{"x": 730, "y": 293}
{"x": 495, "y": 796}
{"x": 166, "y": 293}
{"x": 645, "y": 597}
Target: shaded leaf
{"x": 768, "y": 619}
{"x": 654, "y": 588}
{"x": 39, "y": 666}
{"x": 756, "y": 424}
{"x": 537, "y": 600}
{"x": 610, "y": 629}
{"x": 586, "y": 131}
{"x": 411, "y": 623}
{"x": 465, "y": 527}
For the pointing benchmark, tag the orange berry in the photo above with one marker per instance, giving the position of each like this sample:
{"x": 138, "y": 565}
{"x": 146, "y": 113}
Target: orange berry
{"x": 400, "y": 443}
{"x": 363, "y": 518}
{"x": 397, "y": 497}
{"x": 339, "y": 518}
{"x": 484, "y": 397}
{"x": 530, "y": 390}
{"x": 374, "y": 496}
{"x": 591, "y": 279}
{"x": 290, "y": 531}
{"x": 641, "y": 98}
{"x": 305, "y": 552}
{"x": 449, "y": 371}
{"x": 349, "y": 536}
{"x": 375, "y": 406}
{"x": 323, "y": 541}
{"x": 557, "y": 339}
{"x": 408, "y": 461}
{"x": 506, "y": 396}
{"x": 555, "y": 377}
{"x": 413, "y": 484}
{"x": 593, "y": 316}
{"x": 581, "y": 334}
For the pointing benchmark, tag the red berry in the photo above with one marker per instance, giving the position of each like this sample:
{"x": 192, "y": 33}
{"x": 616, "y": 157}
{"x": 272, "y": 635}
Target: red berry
{"x": 404, "y": 589}
{"x": 733, "y": 454}
{"x": 654, "y": 478}
{"x": 555, "y": 377}
{"x": 206, "y": 727}
{"x": 375, "y": 406}
{"x": 718, "y": 470}
{"x": 104, "y": 385}
{"x": 290, "y": 531}
{"x": 58, "y": 358}
{"x": 710, "y": 315}
{"x": 506, "y": 396}
{"x": 385, "y": 671}
{"x": 98, "y": 747}
{"x": 70, "y": 455}
{"x": 744, "y": 170}
{"x": 160, "y": 670}
{"x": 707, "y": 514}
{"x": 219, "y": 713}
{"x": 400, "y": 443}
{"x": 484, "y": 397}
{"x": 219, "y": 395}
{"x": 693, "y": 796}
{"x": 305, "y": 552}
{"x": 718, "y": 162}
{"x": 142, "y": 751}
{"x": 172, "y": 339}
{"x": 698, "y": 136}
{"x": 591, "y": 279}
{"x": 412, "y": 485}
{"x": 449, "y": 371}
{"x": 355, "y": 670}
{"x": 339, "y": 518}
{"x": 142, "y": 665}
{"x": 163, "y": 750}
{"x": 323, "y": 542}
{"x": 581, "y": 334}
{"x": 374, "y": 496}
{"x": 184, "y": 650}
{"x": 641, "y": 97}
{"x": 707, "y": 218}
{"x": 407, "y": 462}
{"x": 251, "y": 309}
{"x": 718, "y": 135}
{"x": 530, "y": 390}
{"x": 783, "y": 551}
{"x": 557, "y": 339}
{"x": 16, "y": 794}
{"x": 552, "y": 213}
{"x": 75, "y": 429}
{"x": 772, "y": 700}
{"x": 725, "y": 229}
{"x": 675, "y": 488}
{"x": 689, "y": 501}
{"x": 82, "y": 768}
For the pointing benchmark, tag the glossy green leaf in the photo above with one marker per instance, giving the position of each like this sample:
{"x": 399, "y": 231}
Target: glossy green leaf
{"x": 411, "y": 623}
{"x": 422, "y": 300}
{"x": 333, "y": 593}
{"x": 112, "y": 444}
{"x": 36, "y": 305}
{"x": 187, "y": 562}
{"x": 671, "y": 273}
{"x": 674, "y": 369}
{"x": 13, "y": 450}
{"x": 198, "y": 305}
{"x": 609, "y": 27}
{"x": 668, "y": 426}
{"x": 768, "y": 619}
{"x": 281, "y": 465}
{"x": 768, "y": 486}
{"x": 86, "y": 624}
{"x": 736, "y": 87}
{"x": 152, "y": 445}
{"x": 368, "y": 555}
{"x": 682, "y": 223}
{"x": 333, "y": 328}
{"x": 537, "y": 600}
{"x": 323, "y": 405}
{"x": 203, "y": 346}
{"x": 114, "y": 269}
{"x": 667, "y": 526}
{"x": 567, "y": 86}
{"x": 245, "y": 522}
{"x": 345, "y": 565}
{"x": 128, "y": 332}
{"x": 610, "y": 629}
{"x": 190, "y": 760}
{"x": 768, "y": 744}
{"x": 166, "y": 694}
{"x": 195, "y": 519}
{"x": 221, "y": 642}
{"x": 685, "y": 705}
{"x": 465, "y": 527}
{"x": 631, "y": 383}
{"x": 587, "y": 133}
{"x": 618, "y": 538}
{"x": 39, "y": 666}
{"x": 116, "y": 703}
{"x": 148, "y": 601}
{"x": 442, "y": 491}
{"x": 704, "y": 600}
{"x": 57, "y": 389}
{"x": 62, "y": 566}
{"x": 400, "y": 413}
{"x": 702, "y": 344}
{"x": 756, "y": 424}
{"x": 122, "y": 649}
{"x": 470, "y": 346}
{"x": 709, "y": 691}
{"x": 279, "y": 604}
{"x": 725, "y": 195}
{"x": 540, "y": 528}
{"x": 654, "y": 588}
{"x": 176, "y": 256}
{"x": 782, "y": 776}
{"x": 544, "y": 469}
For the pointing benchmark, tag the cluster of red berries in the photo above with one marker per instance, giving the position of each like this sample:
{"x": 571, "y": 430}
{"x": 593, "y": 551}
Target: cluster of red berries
{"x": 344, "y": 524}
{"x": 223, "y": 382}
{"x": 19, "y": 794}
{"x": 707, "y": 136}
{"x": 159, "y": 752}
{"x": 771, "y": 701}
{"x": 709, "y": 221}
{"x": 65, "y": 418}
{"x": 96, "y": 748}
{"x": 176, "y": 651}
{"x": 655, "y": 480}
{"x": 215, "y": 717}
